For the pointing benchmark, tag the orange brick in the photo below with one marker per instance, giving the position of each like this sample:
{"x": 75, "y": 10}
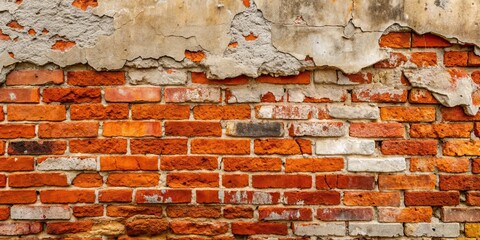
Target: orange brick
{"x": 108, "y": 146}
{"x": 418, "y": 95}
{"x": 115, "y": 195}
{"x": 19, "y": 95}
{"x": 192, "y": 180}
{"x": 282, "y": 181}
{"x": 314, "y": 164}
{"x": 14, "y": 164}
{"x": 453, "y": 165}
{"x": 88, "y": 180}
{"x": 429, "y": 40}
{"x": 473, "y": 198}
{"x": 193, "y": 128}
{"x": 133, "y": 179}
{"x": 283, "y": 146}
{"x": 424, "y": 59}
{"x": 36, "y": 113}
{"x": 62, "y": 45}
{"x": 442, "y": 130}
{"x": 396, "y": 40}
{"x": 128, "y": 163}
{"x": 459, "y": 182}
{"x": 302, "y": 78}
{"x": 201, "y": 78}
{"x": 193, "y": 211}
{"x": 129, "y": 211}
{"x": 455, "y": 59}
{"x": 201, "y": 228}
{"x": 34, "y": 77}
{"x": 405, "y": 215}
{"x": 159, "y": 146}
{"x": 406, "y": 182}
{"x": 409, "y": 147}
{"x": 214, "y": 112}
{"x": 133, "y": 94}
{"x": 132, "y": 129}
{"x": 156, "y": 111}
{"x": 4, "y": 213}
{"x": 68, "y": 130}
{"x": 188, "y": 163}
{"x": 377, "y": 130}
{"x": 194, "y": 56}
{"x": 67, "y": 196}
{"x": 457, "y": 114}
{"x": 37, "y": 147}
{"x": 235, "y": 180}
{"x": 98, "y": 111}
{"x": 461, "y": 148}
{"x": 251, "y": 164}
{"x": 341, "y": 181}
{"x": 473, "y": 60}
{"x": 372, "y": 199}
{"x": 72, "y": 95}
{"x": 17, "y": 131}
{"x": 2, "y": 147}
{"x": 84, "y": 4}
{"x": 408, "y": 114}
{"x": 59, "y": 228}
{"x": 88, "y": 211}
{"x": 252, "y": 228}
{"x": 93, "y": 78}
{"x": 220, "y": 146}
{"x": 18, "y": 196}
{"x": 21, "y": 180}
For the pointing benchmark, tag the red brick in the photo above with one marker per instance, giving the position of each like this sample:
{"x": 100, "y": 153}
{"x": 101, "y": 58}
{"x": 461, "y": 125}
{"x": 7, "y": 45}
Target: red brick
{"x": 459, "y": 130}
{"x": 252, "y": 164}
{"x": 133, "y": 179}
{"x": 408, "y": 114}
{"x": 457, "y": 114}
{"x": 19, "y": 95}
{"x": 345, "y": 214}
{"x": 237, "y": 212}
{"x": 473, "y": 198}
{"x": 409, "y": 147}
{"x": 132, "y": 129}
{"x": 36, "y": 113}
{"x": 67, "y": 196}
{"x": 34, "y": 77}
{"x": 72, "y": 95}
{"x": 159, "y": 146}
{"x": 88, "y": 180}
{"x": 201, "y": 228}
{"x": 429, "y": 40}
{"x": 18, "y": 196}
{"x": 193, "y": 128}
{"x": 284, "y": 214}
{"x": 455, "y": 59}
{"x": 88, "y": 211}
{"x": 283, "y": 146}
{"x": 115, "y": 195}
{"x": 213, "y": 112}
{"x": 192, "y": 180}
{"x": 59, "y": 228}
{"x": 129, "y": 211}
{"x": 14, "y": 164}
{"x": 188, "y": 163}
{"x": 424, "y": 59}
{"x": 17, "y": 131}
{"x": 385, "y": 95}
{"x": 163, "y": 196}
{"x": 133, "y": 94}
{"x": 372, "y": 199}
{"x": 377, "y": 130}
{"x": 406, "y": 182}
{"x": 156, "y": 111}
{"x": 68, "y": 130}
{"x": 312, "y": 198}
{"x": 37, "y": 147}
{"x": 282, "y": 181}
{"x": 128, "y": 163}
{"x": 220, "y": 146}
{"x": 405, "y": 215}
{"x": 93, "y": 78}
{"x": 98, "y": 111}
{"x": 108, "y": 146}
{"x": 459, "y": 182}
{"x": 396, "y": 40}
{"x": 361, "y": 77}
{"x": 461, "y": 147}
{"x": 22, "y": 180}
{"x": 395, "y": 60}
{"x": 332, "y": 181}
{"x": 235, "y": 180}
{"x": 302, "y": 78}
{"x": 432, "y": 198}
{"x": 252, "y": 228}
{"x": 184, "y": 211}
{"x": 314, "y": 164}
{"x": 418, "y": 95}
{"x": 201, "y": 78}
{"x": 208, "y": 196}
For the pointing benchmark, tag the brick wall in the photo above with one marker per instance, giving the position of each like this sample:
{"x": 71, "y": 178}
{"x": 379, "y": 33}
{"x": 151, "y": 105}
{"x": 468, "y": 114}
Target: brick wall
{"x": 87, "y": 154}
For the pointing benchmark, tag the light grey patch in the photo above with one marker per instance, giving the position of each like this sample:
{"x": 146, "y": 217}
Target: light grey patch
{"x": 67, "y": 164}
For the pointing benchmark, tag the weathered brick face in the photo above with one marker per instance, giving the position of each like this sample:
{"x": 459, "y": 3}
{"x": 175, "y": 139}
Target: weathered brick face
{"x": 86, "y": 154}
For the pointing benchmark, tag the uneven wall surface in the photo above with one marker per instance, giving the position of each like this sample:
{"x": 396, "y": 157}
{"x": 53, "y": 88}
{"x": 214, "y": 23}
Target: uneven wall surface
{"x": 237, "y": 119}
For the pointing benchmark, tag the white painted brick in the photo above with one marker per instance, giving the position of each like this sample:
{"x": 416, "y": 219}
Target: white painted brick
{"x": 389, "y": 164}
{"x": 67, "y": 164}
{"x": 318, "y": 129}
{"x": 376, "y": 229}
{"x": 192, "y": 94}
{"x": 359, "y": 111}
{"x": 40, "y": 212}
{"x": 253, "y": 94}
{"x": 157, "y": 77}
{"x": 432, "y": 229}
{"x": 325, "y": 76}
{"x": 345, "y": 146}
{"x": 295, "y": 112}
{"x": 319, "y": 93}
{"x": 319, "y": 229}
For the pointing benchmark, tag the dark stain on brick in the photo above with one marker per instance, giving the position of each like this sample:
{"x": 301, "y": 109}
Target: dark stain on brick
{"x": 36, "y": 148}
{"x": 259, "y": 129}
